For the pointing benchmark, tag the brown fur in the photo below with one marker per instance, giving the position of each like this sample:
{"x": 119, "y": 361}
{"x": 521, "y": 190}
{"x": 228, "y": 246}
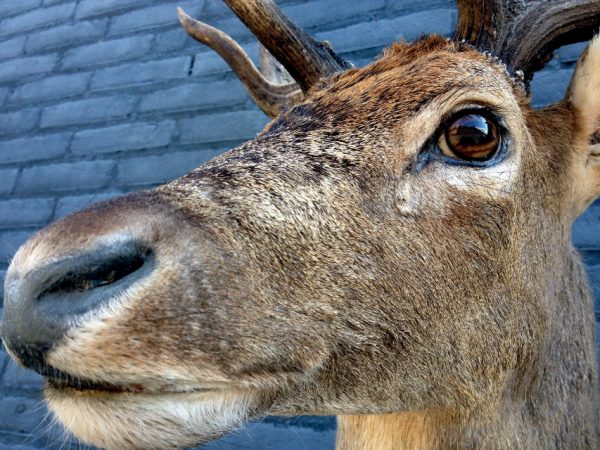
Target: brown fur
{"x": 321, "y": 269}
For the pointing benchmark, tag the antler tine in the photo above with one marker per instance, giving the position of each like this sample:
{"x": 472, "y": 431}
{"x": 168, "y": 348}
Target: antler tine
{"x": 305, "y": 59}
{"x": 525, "y": 33}
{"x": 550, "y": 26}
{"x": 272, "y": 69}
{"x": 270, "y": 97}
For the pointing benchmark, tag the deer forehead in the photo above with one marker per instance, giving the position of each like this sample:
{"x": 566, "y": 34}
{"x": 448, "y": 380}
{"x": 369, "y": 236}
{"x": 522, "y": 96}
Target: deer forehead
{"x": 408, "y": 78}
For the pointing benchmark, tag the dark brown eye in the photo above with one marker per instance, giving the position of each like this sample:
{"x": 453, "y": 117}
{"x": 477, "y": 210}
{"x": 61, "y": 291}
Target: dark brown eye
{"x": 472, "y": 137}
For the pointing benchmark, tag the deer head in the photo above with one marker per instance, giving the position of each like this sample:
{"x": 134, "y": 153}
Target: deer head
{"x": 393, "y": 248}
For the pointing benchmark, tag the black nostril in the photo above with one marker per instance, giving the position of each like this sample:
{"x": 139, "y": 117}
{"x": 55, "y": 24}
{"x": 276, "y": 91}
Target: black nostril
{"x": 86, "y": 281}
{"x": 42, "y": 305}
{"x": 99, "y": 273}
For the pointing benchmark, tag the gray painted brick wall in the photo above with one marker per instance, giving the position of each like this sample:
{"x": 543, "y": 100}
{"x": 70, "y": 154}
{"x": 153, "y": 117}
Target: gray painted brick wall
{"x": 104, "y": 97}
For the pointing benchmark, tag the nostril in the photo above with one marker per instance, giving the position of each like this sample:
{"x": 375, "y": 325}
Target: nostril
{"x": 99, "y": 273}
{"x": 81, "y": 283}
{"x": 41, "y": 306}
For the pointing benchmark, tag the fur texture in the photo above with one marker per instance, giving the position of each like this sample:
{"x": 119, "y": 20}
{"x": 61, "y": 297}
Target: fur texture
{"x": 330, "y": 267}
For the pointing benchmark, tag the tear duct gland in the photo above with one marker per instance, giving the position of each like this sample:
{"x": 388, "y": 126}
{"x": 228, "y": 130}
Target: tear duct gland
{"x": 340, "y": 263}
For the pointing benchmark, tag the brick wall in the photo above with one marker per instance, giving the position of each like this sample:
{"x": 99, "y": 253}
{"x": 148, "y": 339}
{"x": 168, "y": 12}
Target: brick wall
{"x": 103, "y": 97}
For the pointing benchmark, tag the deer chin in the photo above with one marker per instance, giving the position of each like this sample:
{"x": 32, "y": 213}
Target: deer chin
{"x": 123, "y": 419}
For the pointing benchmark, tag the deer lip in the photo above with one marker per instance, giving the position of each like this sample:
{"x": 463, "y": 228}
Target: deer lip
{"x": 82, "y": 386}
{"x": 62, "y": 381}
{"x": 88, "y": 385}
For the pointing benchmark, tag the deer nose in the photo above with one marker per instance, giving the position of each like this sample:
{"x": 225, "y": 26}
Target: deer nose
{"x": 40, "y": 306}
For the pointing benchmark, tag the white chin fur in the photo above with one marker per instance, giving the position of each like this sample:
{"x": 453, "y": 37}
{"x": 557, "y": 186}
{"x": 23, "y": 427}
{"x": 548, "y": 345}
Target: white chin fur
{"x": 153, "y": 422}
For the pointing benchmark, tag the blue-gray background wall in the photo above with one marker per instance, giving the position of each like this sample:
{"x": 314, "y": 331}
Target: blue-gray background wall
{"x": 103, "y": 97}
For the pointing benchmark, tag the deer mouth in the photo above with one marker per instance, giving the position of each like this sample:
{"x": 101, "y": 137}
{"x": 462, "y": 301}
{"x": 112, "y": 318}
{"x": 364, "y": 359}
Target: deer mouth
{"x": 81, "y": 385}
{"x": 121, "y": 417}
{"x": 60, "y": 381}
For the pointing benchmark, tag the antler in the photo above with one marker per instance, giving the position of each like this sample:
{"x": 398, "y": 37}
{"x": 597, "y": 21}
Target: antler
{"x": 272, "y": 98}
{"x": 525, "y": 33}
{"x": 305, "y": 59}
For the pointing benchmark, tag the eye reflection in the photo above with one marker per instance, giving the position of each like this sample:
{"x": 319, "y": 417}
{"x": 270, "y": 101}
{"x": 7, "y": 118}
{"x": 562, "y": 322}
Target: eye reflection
{"x": 470, "y": 137}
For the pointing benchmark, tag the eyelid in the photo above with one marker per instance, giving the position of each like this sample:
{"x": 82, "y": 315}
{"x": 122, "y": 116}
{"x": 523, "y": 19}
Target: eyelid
{"x": 483, "y": 110}
{"x": 429, "y": 150}
{"x": 434, "y": 152}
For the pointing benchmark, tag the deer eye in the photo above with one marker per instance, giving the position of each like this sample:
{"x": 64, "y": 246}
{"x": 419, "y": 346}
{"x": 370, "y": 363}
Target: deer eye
{"x": 470, "y": 136}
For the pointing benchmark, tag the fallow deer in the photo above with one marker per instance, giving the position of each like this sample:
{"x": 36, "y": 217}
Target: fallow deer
{"x": 394, "y": 248}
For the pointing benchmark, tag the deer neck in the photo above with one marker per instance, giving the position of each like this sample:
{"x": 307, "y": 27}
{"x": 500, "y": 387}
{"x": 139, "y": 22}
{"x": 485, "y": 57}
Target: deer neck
{"x": 532, "y": 425}
{"x": 409, "y": 430}
{"x": 557, "y": 407}
{"x": 431, "y": 430}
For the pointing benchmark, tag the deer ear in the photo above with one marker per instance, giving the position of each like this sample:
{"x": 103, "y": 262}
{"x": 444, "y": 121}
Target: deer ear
{"x": 584, "y": 97}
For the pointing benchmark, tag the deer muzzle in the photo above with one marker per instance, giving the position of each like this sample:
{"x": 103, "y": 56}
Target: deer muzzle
{"x": 41, "y": 306}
